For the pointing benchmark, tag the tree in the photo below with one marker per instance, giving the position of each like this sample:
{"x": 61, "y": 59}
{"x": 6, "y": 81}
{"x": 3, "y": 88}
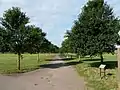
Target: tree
{"x": 77, "y": 39}
{"x": 53, "y": 48}
{"x": 101, "y": 27}
{"x": 95, "y": 31}
{"x": 65, "y": 46}
{"x": 34, "y": 39}
{"x": 48, "y": 47}
{"x": 14, "y": 22}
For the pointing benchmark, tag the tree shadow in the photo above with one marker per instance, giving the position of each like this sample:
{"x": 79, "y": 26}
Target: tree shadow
{"x": 110, "y": 74}
{"x": 58, "y": 65}
{"x": 109, "y": 64}
{"x": 73, "y": 63}
{"x": 92, "y": 60}
{"x": 65, "y": 59}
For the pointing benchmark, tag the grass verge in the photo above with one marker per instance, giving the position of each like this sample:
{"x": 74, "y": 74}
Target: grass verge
{"x": 8, "y": 62}
{"x": 90, "y": 71}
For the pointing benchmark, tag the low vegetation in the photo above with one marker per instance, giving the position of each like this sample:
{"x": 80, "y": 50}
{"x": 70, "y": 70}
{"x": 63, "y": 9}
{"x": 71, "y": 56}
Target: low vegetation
{"x": 8, "y": 62}
{"x": 89, "y": 69}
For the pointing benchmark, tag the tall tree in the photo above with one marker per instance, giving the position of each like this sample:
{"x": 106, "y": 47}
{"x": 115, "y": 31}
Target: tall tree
{"x": 96, "y": 30}
{"x": 65, "y": 46}
{"x": 14, "y": 21}
{"x": 101, "y": 27}
{"x": 35, "y": 39}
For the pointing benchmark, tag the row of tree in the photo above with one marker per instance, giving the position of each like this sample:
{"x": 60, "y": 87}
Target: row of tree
{"x": 94, "y": 32}
{"x": 18, "y": 37}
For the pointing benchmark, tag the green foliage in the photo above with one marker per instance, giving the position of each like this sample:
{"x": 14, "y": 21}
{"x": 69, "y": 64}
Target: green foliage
{"x": 95, "y": 31}
{"x": 47, "y": 46}
{"x": 18, "y": 37}
{"x": 4, "y": 44}
{"x": 34, "y": 40}
{"x": 14, "y": 22}
{"x": 65, "y": 46}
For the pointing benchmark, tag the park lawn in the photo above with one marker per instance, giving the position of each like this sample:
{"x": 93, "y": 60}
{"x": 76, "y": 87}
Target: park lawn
{"x": 89, "y": 70}
{"x": 8, "y": 62}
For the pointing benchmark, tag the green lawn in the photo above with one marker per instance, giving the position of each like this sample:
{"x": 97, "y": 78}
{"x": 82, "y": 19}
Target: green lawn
{"x": 8, "y": 62}
{"x": 89, "y": 70}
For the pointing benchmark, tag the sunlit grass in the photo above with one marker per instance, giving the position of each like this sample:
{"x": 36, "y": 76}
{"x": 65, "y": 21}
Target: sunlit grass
{"x": 8, "y": 62}
{"x": 89, "y": 69}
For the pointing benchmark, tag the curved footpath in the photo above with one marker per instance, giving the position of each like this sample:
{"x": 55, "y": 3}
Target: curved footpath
{"x": 55, "y": 76}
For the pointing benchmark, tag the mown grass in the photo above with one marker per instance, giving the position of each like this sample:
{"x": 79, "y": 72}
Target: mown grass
{"x": 8, "y": 62}
{"x": 89, "y": 70}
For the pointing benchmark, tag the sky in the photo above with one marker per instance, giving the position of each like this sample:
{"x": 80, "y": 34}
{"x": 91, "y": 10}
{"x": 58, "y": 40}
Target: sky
{"x": 53, "y": 16}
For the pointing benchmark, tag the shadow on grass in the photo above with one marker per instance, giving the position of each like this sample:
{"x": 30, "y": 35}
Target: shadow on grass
{"x": 109, "y": 64}
{"x": 65, "y": 59}
{"x": 58, "y": 65}
{"x": 92, "y": 60}
{"x": 16, "y": 72}
{"x": 110, "y": 74}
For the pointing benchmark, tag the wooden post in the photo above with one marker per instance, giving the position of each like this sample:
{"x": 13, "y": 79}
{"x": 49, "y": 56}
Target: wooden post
{"x": 118, "y": 73}
{"x": 102, "y": 70}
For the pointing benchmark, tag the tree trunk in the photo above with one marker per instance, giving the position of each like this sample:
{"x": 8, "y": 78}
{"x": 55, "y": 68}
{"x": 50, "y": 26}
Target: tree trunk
{"x": 79, "y": 58}
{"x": 91, "y": 57}
{"x": 38, "y": 58}
{"x": 101, "y": 56}
{"x": 67, "y": 55}
{"x": 71, "y": 56}
{"x": 19, "y": 57}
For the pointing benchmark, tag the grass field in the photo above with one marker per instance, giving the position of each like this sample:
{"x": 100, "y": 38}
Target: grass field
{"x": 8, "y": 62}
{"x": 89, "y": 70}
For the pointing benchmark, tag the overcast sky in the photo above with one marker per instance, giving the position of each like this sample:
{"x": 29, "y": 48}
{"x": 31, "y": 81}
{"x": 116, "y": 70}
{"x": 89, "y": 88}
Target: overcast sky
{"x": 53, "y": 16}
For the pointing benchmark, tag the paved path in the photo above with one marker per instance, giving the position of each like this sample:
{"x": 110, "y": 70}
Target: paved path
{"x": 56, "y": 76}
